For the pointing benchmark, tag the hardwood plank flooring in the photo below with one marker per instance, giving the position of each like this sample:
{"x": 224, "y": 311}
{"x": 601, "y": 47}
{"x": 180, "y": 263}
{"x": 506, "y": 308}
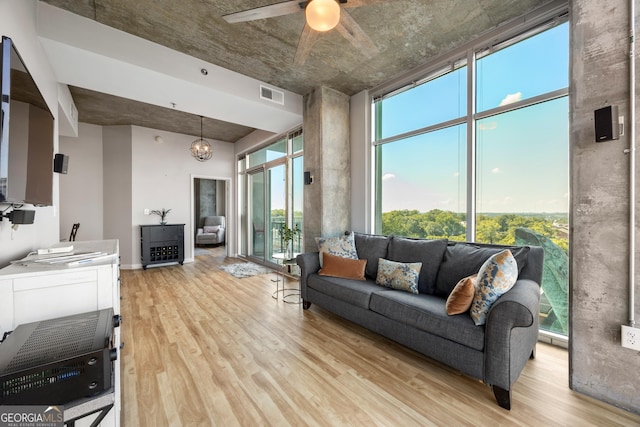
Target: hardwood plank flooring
{"x": 203, "y": 348}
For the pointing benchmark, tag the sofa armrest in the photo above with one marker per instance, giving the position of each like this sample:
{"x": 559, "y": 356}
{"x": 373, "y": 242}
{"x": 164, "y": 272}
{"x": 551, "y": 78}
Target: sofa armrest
{"x": 511, "y": 333}
{"x": 200, "y": 231}
{"x": 309, "y": 263}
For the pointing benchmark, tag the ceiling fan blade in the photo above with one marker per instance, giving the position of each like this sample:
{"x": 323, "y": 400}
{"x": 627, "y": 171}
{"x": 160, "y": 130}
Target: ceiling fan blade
{"x": 357, "y": 3}
{"x": 278, "y": 9}
{"x": 307, "y": 39}
{"x": 353, "y": 32}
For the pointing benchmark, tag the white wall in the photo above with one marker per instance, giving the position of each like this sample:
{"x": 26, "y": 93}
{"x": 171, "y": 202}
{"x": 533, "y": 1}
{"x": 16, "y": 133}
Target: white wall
{"x": 81, "y": 188}
{"x": 162, "y": 176}
{"x": 126, "y": 172}
{"x": 117, "y": 189}
{"x": 18, "y": 21}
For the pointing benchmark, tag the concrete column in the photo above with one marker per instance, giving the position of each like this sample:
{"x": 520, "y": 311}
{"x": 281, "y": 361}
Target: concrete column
{"x": 599, "y": 366}
{"x": 327, "y": 157}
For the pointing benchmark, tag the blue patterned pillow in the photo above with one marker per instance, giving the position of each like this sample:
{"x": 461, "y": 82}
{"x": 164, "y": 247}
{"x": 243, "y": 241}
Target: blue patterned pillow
{"x": 497, "y": 275}
{"x": 342, "y": 246}
{"x": 398, "y": 275}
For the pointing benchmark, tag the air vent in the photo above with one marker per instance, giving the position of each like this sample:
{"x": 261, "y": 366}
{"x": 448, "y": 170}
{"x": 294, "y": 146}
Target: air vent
{"x": 271, "y": 95}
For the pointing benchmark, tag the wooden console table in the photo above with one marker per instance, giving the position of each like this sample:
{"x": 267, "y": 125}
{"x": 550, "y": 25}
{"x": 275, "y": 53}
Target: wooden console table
{"x": 161, "y": 244}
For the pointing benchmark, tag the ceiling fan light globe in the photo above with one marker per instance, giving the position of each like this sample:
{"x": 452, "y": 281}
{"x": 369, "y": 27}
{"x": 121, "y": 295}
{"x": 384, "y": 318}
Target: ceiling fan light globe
{"x": 322, "y": 15}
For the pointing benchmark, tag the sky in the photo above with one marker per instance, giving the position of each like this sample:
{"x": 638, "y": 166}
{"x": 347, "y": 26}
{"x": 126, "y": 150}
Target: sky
{"x": 522, "y": 155}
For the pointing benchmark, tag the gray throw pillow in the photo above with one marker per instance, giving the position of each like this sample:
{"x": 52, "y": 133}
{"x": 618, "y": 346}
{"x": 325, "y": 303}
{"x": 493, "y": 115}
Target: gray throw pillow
{"x": 428, "y": 252}
{"x": 462, "y": 259}
{"x": 371, "y": 247}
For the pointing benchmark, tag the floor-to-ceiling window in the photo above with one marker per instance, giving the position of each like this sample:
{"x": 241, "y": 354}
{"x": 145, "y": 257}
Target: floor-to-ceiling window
{"x": 270, "y": 197}
{"x": 477, "y": 149}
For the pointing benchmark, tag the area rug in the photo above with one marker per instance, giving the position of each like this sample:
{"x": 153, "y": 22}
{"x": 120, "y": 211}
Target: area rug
{"x": 201, "y": 251}
{"x": 245, "y": 269}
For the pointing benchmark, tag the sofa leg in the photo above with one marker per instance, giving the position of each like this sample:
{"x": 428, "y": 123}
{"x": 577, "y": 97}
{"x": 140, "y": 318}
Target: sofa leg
{"x": 305, "y": 305}
{"x": 503, "y": 397}
{"x": 533, "y": 353}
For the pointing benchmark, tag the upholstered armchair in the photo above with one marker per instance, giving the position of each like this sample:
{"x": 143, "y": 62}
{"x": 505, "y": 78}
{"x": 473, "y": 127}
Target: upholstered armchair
{"x": 212, "y": 231}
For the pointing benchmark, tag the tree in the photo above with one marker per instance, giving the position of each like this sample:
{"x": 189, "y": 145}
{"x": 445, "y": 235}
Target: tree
{"x": 487, "y": 230}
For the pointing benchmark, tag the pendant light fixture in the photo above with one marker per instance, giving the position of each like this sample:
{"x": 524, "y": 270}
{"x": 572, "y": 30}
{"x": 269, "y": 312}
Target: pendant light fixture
{"x": 322, "y": 15}
{"x": 200, "y": 148}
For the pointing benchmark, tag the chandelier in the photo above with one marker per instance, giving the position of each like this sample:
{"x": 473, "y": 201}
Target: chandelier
{"x": 200, "y": 148}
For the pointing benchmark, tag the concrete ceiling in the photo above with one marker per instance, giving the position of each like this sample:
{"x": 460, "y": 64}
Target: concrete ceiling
{"x": 407, "y": 33}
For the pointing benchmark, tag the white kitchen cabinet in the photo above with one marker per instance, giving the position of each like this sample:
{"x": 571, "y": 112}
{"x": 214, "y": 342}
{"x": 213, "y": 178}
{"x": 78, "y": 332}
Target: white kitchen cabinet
{"x": 31, "y": 292}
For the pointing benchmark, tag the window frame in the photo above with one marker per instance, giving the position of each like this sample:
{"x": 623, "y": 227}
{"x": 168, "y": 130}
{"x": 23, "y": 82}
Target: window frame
{"x": 245, "y": 170}
{"x": 502, "y": 37}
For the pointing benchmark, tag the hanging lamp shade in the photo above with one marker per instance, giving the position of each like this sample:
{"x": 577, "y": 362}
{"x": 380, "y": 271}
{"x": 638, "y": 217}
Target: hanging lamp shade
{"x": 322, "y": 15}
{"x": 200, "y": 148}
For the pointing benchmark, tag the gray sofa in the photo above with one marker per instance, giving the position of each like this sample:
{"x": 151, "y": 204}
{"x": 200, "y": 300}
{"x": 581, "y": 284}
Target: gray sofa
{"x": 495, "y": 352}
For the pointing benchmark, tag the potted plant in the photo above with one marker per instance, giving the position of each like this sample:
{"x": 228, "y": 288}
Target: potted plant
{"x": 288, "y": 234}
{"x": 162, "y": 213}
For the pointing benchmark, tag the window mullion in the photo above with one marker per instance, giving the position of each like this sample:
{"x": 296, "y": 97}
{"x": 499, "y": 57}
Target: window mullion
{"x": 471, "y": 145}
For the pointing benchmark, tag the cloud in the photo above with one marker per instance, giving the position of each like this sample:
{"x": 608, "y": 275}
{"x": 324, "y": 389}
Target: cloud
{"x": 495, "y": 170}
{"x": 387, "y": 176}
{"x": 487, "y": 126}
{"x": 511, "y": 98}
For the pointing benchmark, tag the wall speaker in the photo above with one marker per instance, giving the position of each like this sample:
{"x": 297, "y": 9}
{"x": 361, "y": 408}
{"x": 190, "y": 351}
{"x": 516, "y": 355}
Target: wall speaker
{"x": 21, "y": 216}
{"x": 606, "y": 123}
{"x": 60, "y": 163}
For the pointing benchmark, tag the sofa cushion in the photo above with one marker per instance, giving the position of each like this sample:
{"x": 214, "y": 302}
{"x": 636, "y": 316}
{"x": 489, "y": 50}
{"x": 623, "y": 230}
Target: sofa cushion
{"x": 371, "y": 247}
{"x": 343, "y": 267}
{"x": 399, "y": 275}
{"x": 460, "y": 299}
{"x": 211, "y": 228}
{"x": 463, "y": 259}
{"x": 356, "y": 292}
{"x": 343, "y": 246}
{"x": 427, "y": 312}
{"x": 496, "y": 276}
{"x": 428, "y": 252}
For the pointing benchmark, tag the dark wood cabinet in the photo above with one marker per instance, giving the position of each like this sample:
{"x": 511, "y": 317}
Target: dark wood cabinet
{"x": 161, "y": 244}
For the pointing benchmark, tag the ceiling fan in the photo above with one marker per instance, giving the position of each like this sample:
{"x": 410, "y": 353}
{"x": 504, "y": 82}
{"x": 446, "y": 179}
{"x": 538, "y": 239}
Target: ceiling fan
{"x": 321, "y": 16}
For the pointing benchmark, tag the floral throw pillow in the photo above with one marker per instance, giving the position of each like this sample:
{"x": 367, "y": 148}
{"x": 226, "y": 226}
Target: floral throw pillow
{"x": 497, "y": 275}
{"x": 399, "y": 275}
{"x": 342, "y": 246}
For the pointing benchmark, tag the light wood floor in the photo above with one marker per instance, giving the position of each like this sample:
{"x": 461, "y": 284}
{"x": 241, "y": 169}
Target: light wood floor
{"x": 205, "y": 349}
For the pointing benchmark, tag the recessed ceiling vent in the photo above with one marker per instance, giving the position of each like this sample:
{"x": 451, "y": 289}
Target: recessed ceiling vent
{"x": 271, "y": 95}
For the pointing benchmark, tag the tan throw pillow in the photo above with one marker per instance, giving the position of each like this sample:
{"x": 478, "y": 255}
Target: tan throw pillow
{"x": 346, "y": 268}
{"x": 461, "y": 297}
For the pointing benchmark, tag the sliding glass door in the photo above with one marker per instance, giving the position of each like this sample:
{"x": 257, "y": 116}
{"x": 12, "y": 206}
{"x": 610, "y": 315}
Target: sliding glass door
{"x": 271, "y": 199}
{"x": 276, "y": 188}
{"x": 256, "y": 206}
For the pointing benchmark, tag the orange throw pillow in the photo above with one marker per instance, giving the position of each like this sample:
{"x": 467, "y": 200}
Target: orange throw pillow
{"x": 346, "y": 268}
{"x": 461, "y": 297}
